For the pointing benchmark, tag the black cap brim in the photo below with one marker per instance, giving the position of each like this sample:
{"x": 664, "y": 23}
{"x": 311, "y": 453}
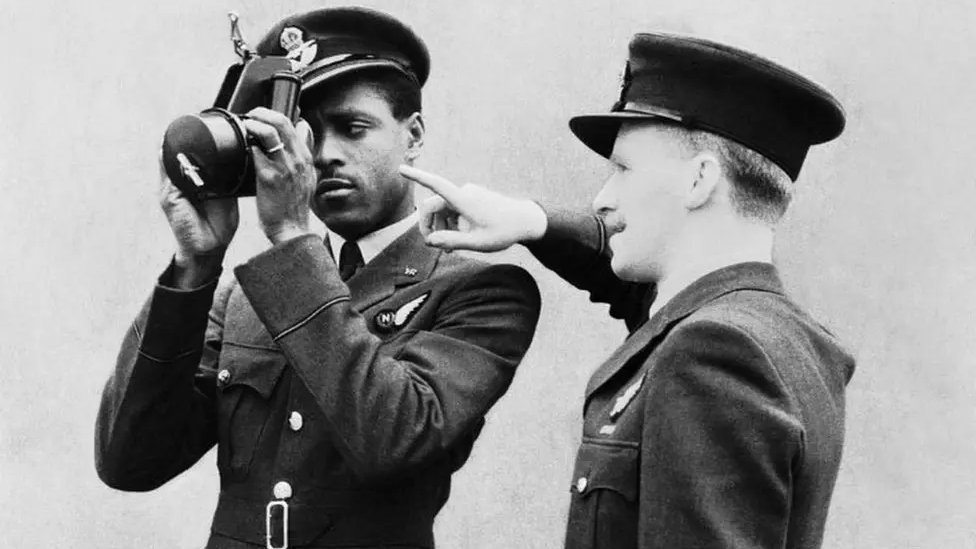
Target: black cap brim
{"x": 599, "y": 131}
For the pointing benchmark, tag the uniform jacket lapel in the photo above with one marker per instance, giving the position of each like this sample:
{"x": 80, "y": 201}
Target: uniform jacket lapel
{"x": 408, "y": 260}
{"x": 742, "y": 276}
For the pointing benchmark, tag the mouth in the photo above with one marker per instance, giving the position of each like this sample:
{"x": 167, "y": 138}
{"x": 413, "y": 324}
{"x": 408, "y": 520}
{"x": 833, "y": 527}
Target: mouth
{"x": 334, "y": 187}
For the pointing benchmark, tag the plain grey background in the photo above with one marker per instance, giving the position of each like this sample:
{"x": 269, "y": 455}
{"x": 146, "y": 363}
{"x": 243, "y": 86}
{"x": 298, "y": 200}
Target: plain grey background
{"x": 879, "y": 243}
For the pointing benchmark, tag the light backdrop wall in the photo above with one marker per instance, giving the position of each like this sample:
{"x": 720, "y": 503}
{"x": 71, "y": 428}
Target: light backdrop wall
{"x": 880, "y": 243}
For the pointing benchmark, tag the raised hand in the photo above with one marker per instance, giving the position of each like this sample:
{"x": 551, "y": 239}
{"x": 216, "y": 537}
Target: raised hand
{"x": 285, "y": 174}
{"x": 472, "y": 217}
{"x": 202, "y": 231}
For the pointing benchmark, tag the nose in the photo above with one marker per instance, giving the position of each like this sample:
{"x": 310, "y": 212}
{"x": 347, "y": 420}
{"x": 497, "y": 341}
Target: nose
{"x": 606, "y": 200}
{"x": 328, "y": 151}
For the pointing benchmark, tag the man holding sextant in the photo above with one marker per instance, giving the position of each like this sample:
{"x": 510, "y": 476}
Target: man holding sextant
{"x": 342, "y": 381}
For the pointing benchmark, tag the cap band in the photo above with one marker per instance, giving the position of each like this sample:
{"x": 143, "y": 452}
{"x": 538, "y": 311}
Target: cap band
{"x": 651, "y": 110}
{"x": 326, "y": 69}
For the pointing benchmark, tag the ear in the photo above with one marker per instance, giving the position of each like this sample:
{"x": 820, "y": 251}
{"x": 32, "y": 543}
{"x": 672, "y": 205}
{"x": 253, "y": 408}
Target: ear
{"x": 414, "y": 126}
{"x": 706, "y": 174}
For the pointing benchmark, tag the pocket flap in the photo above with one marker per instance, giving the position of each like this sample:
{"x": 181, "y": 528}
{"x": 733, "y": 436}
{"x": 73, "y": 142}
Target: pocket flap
{"x": 607, "y": 467}
{"x": 259, "y": 369}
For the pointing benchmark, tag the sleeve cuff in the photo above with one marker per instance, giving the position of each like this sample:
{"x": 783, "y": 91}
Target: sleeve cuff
{"x": 291, "y": 282}
{"x": 570, "y": 224}
{"x": 175, "y": 320}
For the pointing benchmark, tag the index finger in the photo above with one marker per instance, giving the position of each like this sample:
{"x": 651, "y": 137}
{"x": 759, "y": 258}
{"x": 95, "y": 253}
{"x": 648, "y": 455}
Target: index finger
{"x": 281, "y": 123}
{"x": 450, "y": 192}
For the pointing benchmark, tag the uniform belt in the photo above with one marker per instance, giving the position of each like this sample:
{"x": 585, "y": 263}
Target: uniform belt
{"x": 342, "y": 520}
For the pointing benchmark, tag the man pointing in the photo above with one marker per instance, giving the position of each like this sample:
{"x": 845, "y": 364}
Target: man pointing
{"x": 719, "y": 422}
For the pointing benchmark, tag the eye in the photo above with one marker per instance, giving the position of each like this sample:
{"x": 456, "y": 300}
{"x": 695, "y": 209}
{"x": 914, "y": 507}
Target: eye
{"x": 356, "y": 128}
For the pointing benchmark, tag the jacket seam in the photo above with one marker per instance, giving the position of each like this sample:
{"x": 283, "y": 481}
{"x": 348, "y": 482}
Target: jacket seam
{"x": 311, "y": 315}
{"x": 177, "y": 358}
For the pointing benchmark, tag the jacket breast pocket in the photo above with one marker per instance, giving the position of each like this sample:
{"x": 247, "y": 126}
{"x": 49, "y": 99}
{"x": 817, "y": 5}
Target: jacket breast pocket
{"x": 246, "y": 382}
{"x": 604, "y": 506}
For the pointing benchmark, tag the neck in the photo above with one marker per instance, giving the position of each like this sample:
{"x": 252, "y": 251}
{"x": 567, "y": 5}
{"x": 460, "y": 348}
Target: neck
{"x": 354, "y": 232}
{"x": 701, "y": 256}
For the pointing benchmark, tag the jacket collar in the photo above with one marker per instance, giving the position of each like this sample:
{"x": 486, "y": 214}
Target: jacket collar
{"x": 741, "y": 276}
{"x": 407, "y": 260}
{"x": 375, "y": 242}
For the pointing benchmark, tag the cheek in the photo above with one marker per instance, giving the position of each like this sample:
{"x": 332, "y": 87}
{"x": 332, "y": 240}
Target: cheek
{"x": 377, "y": 162}
{"x": 647, "y": 219}
{"x": 386, "y": 187}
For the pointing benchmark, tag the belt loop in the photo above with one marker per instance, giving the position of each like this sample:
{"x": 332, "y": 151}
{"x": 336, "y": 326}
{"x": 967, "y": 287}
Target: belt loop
{"x": 269, "y": 544}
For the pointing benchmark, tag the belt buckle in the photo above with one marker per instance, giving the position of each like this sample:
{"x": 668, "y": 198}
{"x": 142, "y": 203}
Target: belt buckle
{"x": 269, "y": 544}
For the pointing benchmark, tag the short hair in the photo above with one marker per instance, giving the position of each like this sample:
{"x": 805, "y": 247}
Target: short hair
{"x": 761, "y": 190}
{"x": 400, "y": 91}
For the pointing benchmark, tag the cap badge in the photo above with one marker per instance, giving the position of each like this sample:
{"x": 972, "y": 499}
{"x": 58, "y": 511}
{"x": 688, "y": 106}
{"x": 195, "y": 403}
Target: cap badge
{"x": 291, "y": 38}
{"x": 625, "y": 79}
{"x": 301, "y": 52}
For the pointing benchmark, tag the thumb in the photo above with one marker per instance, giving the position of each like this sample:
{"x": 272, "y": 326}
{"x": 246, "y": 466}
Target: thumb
{"x": 305, "y": 134}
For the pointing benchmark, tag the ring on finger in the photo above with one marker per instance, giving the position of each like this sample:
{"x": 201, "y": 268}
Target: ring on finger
{"x": 276, "y": 148}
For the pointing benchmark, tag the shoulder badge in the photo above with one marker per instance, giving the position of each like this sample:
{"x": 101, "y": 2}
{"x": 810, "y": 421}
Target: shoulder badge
{"x": 388, "y": 320}
{"x": 624, "y": 399}
{"x": 384, "y": 320}
{"x": 406, "y": 312}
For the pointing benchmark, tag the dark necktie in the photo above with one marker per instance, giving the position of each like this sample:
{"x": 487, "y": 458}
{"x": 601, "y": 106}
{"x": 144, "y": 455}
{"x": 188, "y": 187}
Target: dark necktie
{"x": 350, "y": 260}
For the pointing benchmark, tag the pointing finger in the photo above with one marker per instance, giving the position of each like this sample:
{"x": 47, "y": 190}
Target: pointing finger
{"x": 449, "y": 191}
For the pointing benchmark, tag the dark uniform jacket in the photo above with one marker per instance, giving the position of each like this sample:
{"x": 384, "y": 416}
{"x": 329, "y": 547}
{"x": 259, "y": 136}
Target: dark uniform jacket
{"x": 718, "y": 423}
{"x": 352, "y": 405}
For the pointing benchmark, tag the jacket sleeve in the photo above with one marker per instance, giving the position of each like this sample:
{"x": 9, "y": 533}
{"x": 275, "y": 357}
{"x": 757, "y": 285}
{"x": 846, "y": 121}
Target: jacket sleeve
{"x": 391, "y": 411}
{"x": 721, "y": 436}
{"x": 574, "y": 247}
{"x": 156, "y": 417}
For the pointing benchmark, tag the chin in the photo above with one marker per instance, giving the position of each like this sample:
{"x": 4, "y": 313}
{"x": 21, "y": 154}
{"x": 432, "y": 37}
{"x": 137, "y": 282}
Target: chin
{"x": 343, "y": 224}
{"x": 335, "y": 211}
{"x": 621, "y": 267}
{"x": 631, "y": 270}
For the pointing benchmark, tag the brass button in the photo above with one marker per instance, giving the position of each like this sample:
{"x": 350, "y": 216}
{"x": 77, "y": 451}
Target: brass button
{"x": 282, "y": 490}
{"x": 295, "y": 421}
{"x": 581, "y": 484}
{"x": 223, "y": 377}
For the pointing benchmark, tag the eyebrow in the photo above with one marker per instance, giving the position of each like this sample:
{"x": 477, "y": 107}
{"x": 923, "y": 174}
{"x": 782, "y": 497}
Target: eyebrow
{"x": 347, "y": 113}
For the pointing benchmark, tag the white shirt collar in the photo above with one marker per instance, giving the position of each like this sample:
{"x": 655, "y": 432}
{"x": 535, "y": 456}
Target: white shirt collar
{"x": 375, "y": 242}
